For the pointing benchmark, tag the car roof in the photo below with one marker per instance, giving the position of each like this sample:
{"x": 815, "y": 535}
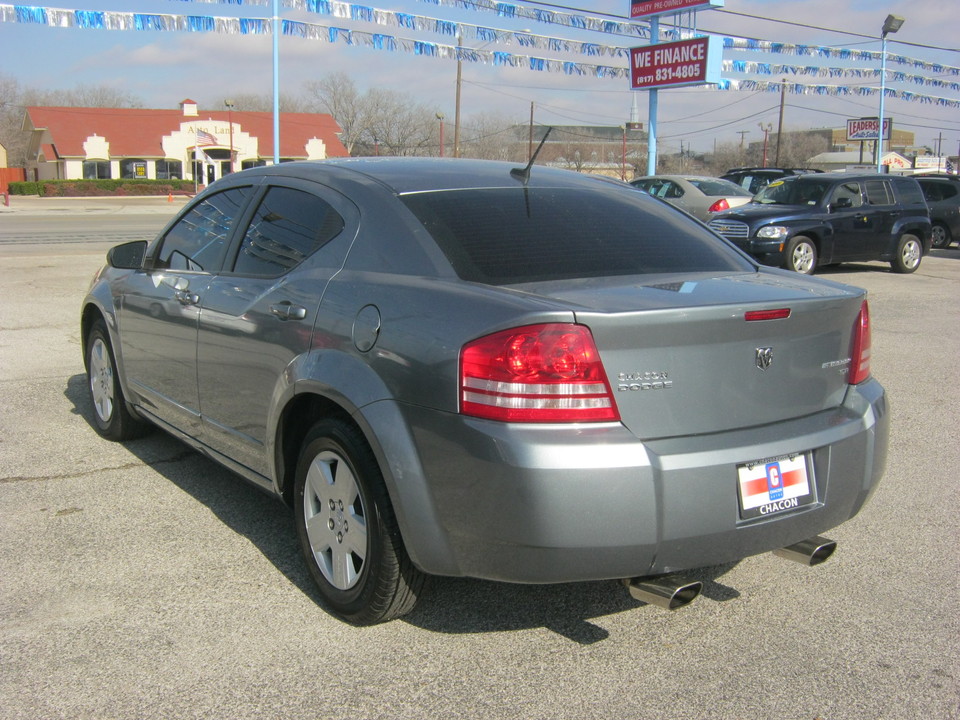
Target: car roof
{"x": 421, "y": 174}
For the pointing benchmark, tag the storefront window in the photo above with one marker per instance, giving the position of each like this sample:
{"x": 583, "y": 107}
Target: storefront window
{"x": 96, "y": 170}
{"x": 252, "y": 163}
{"x": 133, "y": 169}
{"x": 169, "y": 170}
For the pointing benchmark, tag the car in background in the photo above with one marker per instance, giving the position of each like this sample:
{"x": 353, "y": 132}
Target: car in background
{"x": 803, "y": 221}
{"x": 699, "y": 196}
{"x": 464, "y": 368}
{"x": 754, "y": 179}
{"x": 942, "y": 193}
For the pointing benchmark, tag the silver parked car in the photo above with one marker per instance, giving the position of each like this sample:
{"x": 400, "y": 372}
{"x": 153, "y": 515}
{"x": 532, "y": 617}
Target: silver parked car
{"x": 700, "y": 196}
{"x": 462, "y": 368}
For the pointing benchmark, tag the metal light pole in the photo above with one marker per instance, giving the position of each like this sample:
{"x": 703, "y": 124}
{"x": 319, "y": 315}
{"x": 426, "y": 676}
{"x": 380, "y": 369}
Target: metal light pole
{"x": 440, "y": 118}
{"x": 890, "y": 25}
{"x": 229, "y": 104}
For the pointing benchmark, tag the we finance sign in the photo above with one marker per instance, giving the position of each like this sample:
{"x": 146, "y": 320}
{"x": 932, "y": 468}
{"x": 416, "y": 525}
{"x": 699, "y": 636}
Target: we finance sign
{"x": 687, "y": 62}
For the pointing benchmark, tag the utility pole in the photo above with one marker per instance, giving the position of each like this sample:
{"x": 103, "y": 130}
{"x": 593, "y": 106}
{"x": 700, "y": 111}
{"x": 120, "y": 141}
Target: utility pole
{"x": 456, "y": 112}
{"x": 742, "y": 133}
{"x": 530, "y": 142}
{"x": 783, "y": 92}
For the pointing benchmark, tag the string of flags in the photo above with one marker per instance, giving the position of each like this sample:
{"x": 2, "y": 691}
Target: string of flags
{"x": 167, "y": 22}
{"x": 755, "y": 68}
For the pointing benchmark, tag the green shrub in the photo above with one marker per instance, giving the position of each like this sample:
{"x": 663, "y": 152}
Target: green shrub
{"x": 100, "y": 188}
{"x": 24, "y": 187}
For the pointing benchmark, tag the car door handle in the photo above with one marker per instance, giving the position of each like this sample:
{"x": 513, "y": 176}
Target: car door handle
{"x": 186, "y": 298}
{"x": 288, "y": 311}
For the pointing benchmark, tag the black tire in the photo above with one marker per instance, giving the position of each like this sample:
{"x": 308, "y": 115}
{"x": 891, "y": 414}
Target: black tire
{"x": 347, "y": 529}
{"x": 801, "y": 255}
{"x": 908, "y": 255}
{"x": 941, "y": 236}
{"x": 111, "y": 417}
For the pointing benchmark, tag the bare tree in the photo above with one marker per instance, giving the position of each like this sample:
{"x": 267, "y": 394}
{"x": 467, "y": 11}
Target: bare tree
{"x": 14, "y": 100}
{"x": 378, "y": 121}
{"x": 491, "y": 137}
{"x": 337, "y": 95}
{"x": 11, "y": 120}
{"x": 250, "y": 102}
{"x": 98, "y": 96}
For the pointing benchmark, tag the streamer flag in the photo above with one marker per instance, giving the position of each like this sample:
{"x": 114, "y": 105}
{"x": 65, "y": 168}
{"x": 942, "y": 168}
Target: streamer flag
{"x": 419, "y": 24}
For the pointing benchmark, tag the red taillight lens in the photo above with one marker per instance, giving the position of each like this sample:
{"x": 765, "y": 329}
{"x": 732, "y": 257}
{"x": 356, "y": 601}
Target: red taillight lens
{"x": 719, "y": 205}
{"x": 860, "y": 354}
{"x": 536, "y": 373}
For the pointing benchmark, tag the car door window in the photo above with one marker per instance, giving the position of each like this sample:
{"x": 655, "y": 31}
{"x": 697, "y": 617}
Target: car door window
{"x": 878, "y": 192}
{"x": 848, "y": 191}
{"x": 197, "y": 241}
{"x": 672, "y": 191}
{"x": 288, "y": 226}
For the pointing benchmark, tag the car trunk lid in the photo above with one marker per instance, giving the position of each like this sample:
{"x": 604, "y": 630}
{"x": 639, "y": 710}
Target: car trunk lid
{"x": 698, "y": 355}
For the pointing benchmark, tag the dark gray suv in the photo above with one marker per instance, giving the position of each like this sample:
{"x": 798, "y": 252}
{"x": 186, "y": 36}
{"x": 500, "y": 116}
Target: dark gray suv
{"x": 804, "y": 221}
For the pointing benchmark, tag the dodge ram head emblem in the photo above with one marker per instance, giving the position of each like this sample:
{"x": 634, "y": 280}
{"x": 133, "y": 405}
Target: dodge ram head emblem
{"x": 764, "y": 357}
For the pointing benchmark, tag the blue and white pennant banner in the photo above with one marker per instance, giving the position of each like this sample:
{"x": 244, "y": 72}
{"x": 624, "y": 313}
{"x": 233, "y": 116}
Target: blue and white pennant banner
{"x": 97, "y": 20}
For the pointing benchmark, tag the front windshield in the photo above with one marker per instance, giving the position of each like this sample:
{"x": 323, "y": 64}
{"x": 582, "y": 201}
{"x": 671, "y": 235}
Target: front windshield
{"x": 793, "y": 191}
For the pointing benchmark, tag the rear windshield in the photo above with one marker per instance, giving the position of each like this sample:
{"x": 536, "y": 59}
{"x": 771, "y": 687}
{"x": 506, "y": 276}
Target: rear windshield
{"x": 718, "y": 188}
{"x": 501, "y": 236}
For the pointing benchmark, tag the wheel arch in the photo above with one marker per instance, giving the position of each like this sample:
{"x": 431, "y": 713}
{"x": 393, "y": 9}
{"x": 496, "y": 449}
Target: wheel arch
{"x": 387, "y": 433}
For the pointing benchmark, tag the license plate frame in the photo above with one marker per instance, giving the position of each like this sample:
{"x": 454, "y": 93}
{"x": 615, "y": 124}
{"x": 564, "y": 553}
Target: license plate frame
{"x": 775, "y": 486}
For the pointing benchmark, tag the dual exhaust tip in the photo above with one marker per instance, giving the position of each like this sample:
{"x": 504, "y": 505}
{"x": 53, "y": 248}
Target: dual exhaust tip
{"x": 673, "y": 593}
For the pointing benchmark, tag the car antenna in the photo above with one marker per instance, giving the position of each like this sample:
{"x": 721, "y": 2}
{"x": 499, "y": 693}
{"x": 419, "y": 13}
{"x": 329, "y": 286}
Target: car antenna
{"x": 524, "y": 173}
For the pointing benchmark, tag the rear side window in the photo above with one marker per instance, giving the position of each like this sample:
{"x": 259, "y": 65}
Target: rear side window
{"x": 908, "y": 191}
{"x": 500, "y": 236}
{"x": 289, "y": 226}
{"x": 198, "y": 239}
{"x": 878, "y": 192}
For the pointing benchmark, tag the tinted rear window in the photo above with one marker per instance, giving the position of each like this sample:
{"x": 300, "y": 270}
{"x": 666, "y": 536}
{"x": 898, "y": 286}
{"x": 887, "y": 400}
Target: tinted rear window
{"x": 909, "y": 191}
{"x": 501, "y": 236}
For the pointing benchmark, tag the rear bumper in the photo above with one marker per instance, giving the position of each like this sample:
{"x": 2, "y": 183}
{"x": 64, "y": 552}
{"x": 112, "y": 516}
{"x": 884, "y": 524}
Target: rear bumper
{"x": 541, "y": 504}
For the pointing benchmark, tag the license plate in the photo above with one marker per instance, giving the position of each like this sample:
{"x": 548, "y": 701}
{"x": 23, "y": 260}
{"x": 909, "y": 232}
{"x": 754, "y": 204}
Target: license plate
{"x": 775, "y": 485}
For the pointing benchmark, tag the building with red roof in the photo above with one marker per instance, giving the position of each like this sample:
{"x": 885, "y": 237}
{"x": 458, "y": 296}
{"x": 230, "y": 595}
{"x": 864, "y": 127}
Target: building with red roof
{"x": 71, "y": 143}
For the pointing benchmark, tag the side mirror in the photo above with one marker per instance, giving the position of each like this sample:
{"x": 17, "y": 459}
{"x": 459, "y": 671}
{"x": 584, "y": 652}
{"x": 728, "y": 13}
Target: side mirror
{"x": 842, "y": 204}
{"x": 128, "y": 256}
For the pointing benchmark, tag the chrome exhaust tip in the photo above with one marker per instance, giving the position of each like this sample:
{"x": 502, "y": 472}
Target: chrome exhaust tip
{"x": 666, "y": 592}
{"x": 812, "y": 551}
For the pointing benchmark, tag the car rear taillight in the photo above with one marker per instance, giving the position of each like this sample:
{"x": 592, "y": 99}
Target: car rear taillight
{"x": 536, "y": 373}
{"x": 860, "y": 354}
{"x": 719, "y": 205}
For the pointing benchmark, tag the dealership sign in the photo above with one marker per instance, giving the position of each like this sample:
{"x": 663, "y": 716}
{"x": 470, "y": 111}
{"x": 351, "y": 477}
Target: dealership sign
{"x": 866, "y": 129}
{"x": 687, "y": 62}
{"x": 651, "y": 8}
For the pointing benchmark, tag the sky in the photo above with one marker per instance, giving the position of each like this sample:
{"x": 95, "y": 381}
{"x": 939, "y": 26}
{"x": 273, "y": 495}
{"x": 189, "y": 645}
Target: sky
{"x": 161, "y": 68}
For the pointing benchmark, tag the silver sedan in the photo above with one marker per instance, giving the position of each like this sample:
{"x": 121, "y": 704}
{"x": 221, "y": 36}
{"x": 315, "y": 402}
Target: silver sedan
{"x": 700, "y": 196}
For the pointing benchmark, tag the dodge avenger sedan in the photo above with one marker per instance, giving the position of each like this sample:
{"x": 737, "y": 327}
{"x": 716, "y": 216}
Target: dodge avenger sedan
{"x": 465, "y": 368}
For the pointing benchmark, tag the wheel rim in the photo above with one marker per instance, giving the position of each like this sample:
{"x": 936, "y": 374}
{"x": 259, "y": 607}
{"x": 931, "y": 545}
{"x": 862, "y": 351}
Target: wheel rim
{"x": 939, "y": 236}
{"x": 803, "y": 258}
{"x": 335, "y": 520}
{"x": 911, "y": 254}
{"x": 101, "y": 380}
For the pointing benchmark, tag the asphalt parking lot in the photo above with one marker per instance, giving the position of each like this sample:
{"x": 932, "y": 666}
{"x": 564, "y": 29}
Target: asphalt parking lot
{"x": 144, "y": 581}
